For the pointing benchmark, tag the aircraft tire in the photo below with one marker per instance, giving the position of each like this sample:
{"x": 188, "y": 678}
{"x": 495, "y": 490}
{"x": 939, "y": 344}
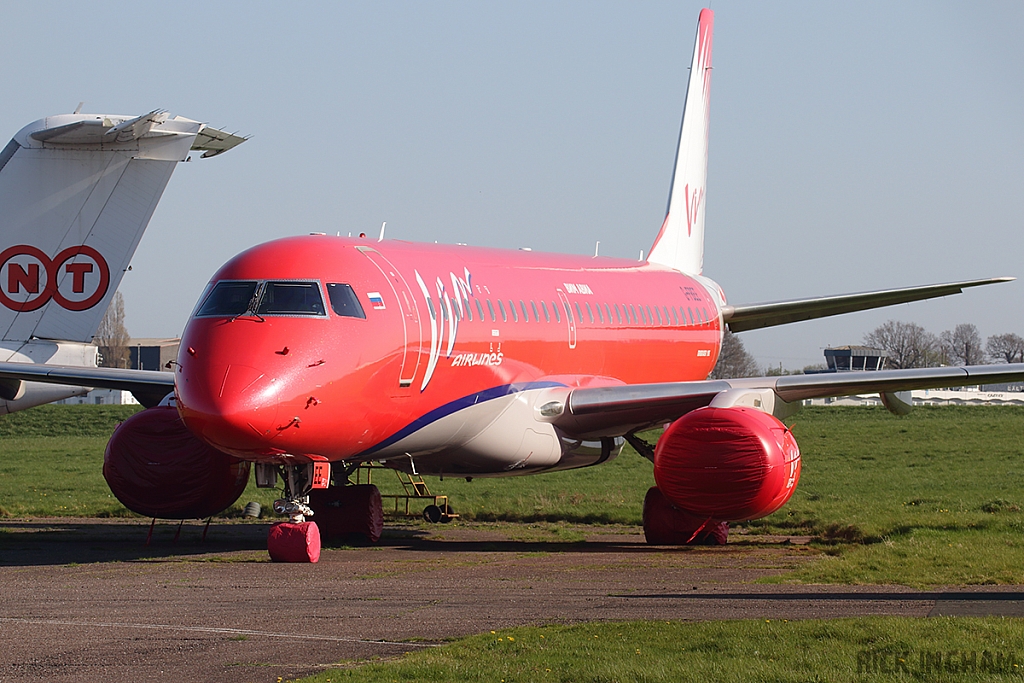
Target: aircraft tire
{"x": 665, "y": 524}
{"x": 294, "y": 542}
{"x": 432, "y": 514}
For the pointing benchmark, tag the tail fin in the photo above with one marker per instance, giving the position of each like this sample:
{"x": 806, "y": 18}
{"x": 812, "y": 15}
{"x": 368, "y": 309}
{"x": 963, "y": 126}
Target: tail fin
{"x": 680, "y": 244}
{"x": 77, "y": 192}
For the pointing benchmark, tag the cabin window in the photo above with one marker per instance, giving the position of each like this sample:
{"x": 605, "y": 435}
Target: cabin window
{"x": 657, "y": 315}
{"x": 590, "y": 313}
{"x": 344, "y": 301}
{"x": 512, "y": 310}
{"x": 690, "y": 311}
{"x": 579, "y": 315}
{"x": 533, "y": 305}
{"x": 526, "y": 316}
{"x": 490, "y": 309}
{"x": 504, "y": 315}
{"x": 554, "y": 309}
{"x": 632, "y": 314}
{"x": 618, "y": 315}
{"x": 675, "y": 317}
{"x": 291, "y": 298}
{"x": 479, "y": 309}
{"x": 600, "y": 317}
{"x": 544, "y": 307}
{"x": 469, "y": 310}
{"x": 228, "y": 298}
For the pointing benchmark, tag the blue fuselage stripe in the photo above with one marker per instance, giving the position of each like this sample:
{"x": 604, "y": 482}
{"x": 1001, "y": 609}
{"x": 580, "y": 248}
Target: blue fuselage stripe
{"x": 454, "y": 407}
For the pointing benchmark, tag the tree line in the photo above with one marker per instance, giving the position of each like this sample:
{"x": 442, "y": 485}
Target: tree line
{"x": 911, "y": 346}
{"x": 908, "y": 345}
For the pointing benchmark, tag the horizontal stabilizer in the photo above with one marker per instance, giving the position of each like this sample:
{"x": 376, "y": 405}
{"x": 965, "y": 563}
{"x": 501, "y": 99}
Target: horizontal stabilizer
{"x": 214, "y": 142}
{"x": 756, "y": 316}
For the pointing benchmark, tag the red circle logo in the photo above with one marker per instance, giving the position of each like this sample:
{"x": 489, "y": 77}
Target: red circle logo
{"x": 76, "y": 279}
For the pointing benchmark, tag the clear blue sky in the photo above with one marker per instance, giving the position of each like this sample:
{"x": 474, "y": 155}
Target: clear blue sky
{"x": 854, "y": 146}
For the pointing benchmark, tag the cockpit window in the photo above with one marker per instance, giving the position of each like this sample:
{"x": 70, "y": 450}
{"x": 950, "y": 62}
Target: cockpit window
{"x": 291, "y": 298}
{"x": 228, "y": 298}
{"x": 344, "y": 301}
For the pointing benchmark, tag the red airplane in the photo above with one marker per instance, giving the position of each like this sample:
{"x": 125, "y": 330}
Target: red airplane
{"x": 317, "y": 351}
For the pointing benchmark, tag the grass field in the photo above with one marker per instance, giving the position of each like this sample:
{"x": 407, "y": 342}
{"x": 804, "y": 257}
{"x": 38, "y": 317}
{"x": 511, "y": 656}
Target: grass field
{"x": 933, "y": 498}
{"x": 872, "y": 649}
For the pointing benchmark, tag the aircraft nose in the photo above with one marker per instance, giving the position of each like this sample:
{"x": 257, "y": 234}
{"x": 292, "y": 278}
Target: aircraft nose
{"x": 232, "y": 406}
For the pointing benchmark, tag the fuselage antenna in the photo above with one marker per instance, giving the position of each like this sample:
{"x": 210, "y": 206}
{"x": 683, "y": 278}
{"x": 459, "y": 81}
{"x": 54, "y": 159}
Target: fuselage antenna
{"x": 382, "y": 226}
{"x": 597, "y": 248}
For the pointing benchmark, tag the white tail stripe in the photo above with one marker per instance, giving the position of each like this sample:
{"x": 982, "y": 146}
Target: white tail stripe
{"x": 680, "y": 244}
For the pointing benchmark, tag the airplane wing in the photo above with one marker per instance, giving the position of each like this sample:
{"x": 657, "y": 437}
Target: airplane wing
{"x": 148, "y": 386}
{"x": 592, "y": 412}
{"x": 755, "y": 316}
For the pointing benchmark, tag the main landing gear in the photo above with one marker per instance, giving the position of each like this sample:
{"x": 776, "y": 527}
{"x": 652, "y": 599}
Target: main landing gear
{"x": 665, "y": 524}
{"x": 296, "y": 540}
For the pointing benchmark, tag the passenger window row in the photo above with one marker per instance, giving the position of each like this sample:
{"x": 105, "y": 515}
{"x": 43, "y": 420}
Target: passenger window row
{"x": 598, "y": 314}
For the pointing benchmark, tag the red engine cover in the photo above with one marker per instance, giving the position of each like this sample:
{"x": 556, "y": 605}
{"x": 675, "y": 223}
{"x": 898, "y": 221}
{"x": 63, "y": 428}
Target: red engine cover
{"x": 157, "y": 468}
{"x": 731, "y": 464}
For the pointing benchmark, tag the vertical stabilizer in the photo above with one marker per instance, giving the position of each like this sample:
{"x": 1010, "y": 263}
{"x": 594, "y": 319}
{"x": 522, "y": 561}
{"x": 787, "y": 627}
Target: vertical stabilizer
{"x": 77, "y": 192}
{"x": 680, "y": 244}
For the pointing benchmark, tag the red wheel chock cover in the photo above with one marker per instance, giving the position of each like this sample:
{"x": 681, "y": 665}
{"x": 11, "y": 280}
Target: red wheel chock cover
{"x": 291, "y": 542}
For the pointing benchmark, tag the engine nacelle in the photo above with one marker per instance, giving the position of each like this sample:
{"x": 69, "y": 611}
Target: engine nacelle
{"x": 729, "y": 464}
{"x": 157, "y": 468}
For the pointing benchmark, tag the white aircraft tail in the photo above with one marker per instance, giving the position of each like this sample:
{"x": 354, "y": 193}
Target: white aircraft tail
{"x": 76, "y": 193}
{"x": 680, "y": 244}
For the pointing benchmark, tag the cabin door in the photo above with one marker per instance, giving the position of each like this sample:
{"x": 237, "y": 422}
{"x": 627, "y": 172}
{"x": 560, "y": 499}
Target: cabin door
{"x": 402, "y": 296}
{"x": 569, "y": 318}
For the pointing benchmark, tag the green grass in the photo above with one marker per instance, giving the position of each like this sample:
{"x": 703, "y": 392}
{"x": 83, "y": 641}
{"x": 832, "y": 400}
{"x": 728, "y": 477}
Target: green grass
{"x": 51, "y": 461}
{"x": 933, "y": 498}
{"x": 872, "y": 649}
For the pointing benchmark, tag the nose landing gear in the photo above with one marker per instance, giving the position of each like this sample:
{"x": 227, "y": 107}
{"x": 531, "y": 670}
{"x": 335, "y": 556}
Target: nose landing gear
{"x": 296, "y": 540}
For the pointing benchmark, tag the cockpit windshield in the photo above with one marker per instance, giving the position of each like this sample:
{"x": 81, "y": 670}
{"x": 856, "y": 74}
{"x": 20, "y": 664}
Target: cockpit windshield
{"x": 291, "y": 298}
{"x": 249, "y": 297}
{"x": 228, "y": 298}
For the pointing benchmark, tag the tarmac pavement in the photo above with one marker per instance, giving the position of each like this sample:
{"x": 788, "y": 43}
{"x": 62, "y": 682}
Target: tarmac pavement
{"x": 88, "y": 600}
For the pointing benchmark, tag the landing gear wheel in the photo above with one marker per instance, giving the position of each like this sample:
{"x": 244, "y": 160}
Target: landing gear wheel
{"x": 348, "y": 512}
{"x": 447, "y": 513}
{"x": 296, "y": 540}
{"x": 432, "y": 514}
{"x": 665, "y": 524}
{"x": 291, "y": 542}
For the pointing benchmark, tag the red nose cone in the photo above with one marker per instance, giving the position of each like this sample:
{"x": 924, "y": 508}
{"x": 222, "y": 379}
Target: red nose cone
{"x": 224, "y": 396}
{"x": 229, "y": 405}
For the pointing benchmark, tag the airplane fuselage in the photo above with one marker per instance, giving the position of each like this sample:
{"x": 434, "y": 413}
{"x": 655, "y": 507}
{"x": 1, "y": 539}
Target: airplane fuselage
{"x": 438, "y": 345}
